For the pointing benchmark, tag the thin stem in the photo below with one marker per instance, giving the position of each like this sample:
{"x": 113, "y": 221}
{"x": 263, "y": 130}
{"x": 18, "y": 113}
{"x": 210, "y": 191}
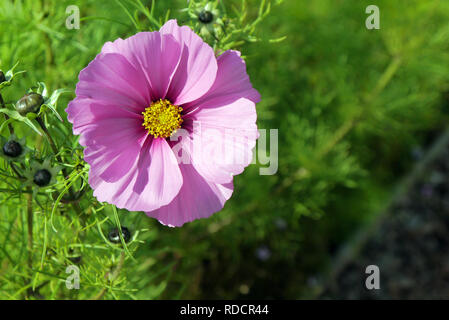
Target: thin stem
{"x": 14, "y": 168}
{"x": 49, "y": 138}
{"x": 30, "y": 228}
{"x": 2, "y": 103}
{"x": 30, "y": 223}
{"x": 53, "y": 146}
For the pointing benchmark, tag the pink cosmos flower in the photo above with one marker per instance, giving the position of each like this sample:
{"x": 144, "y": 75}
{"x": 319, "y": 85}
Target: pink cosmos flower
{"x": 134, "y": 99}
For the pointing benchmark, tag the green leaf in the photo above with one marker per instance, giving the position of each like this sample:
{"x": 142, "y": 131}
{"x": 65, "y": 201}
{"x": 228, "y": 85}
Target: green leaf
{"x": 31, "y": 115}
{"x": 42, "y": 89}
{"x": 15, "y": 115}
{"x": 9, "y": 76}
{"x": 51, "y": 102}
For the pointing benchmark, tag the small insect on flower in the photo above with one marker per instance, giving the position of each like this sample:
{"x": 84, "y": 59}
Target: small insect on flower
{"x": 158, "y": 113}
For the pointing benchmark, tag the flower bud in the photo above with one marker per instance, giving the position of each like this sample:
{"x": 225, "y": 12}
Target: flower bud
{"x": 2, "y": 77}
{"x": 30, "y": 102}
{"x": 205, "y": 16}
{"x": 74, "y": 257}
{"x": 114, "y": 236}
{"x": 12, "y": 149}
{"x": 42, "y": 177}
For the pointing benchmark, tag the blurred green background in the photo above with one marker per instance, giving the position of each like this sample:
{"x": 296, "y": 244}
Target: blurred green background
{"x": 355, "y": 109}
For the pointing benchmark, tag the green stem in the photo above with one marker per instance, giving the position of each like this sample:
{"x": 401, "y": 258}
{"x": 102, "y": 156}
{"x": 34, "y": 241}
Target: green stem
{"x": 30, "y": 228}
{"x": 53, "y": 146}
{"x": 49, "y": 138}
{"x": 114, "y": 276}
{"x": 14, "y": 168}
{"x": 2, "y": 103}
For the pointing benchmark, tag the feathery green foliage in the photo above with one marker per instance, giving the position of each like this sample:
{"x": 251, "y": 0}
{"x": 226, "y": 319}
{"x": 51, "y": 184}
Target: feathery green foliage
{"x": 349, "y": 103}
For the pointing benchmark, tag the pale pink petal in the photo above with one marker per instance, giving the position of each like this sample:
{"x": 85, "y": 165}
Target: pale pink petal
{"x": 196, "y": 199}
{"x": 157, "y": 55}
{"x": 197, "y": 69}
{"x": 112, "y": 147}
{"x": 223, "y": 139}
{"x": 88, "y": 114}
{"x": 222, "y": 145}
{"x": 112, "y": 80}
{"x": 154, "y": 180}
{"x": 232, "y": 83}
{"x": 108, "y": 119}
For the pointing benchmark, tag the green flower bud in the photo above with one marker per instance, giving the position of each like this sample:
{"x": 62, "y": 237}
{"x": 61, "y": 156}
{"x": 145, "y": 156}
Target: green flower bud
{"x": 2, "y": 77}
{"x": 206, "y": 16}
{"x": 30, "y": 102}
{"x": 114, "y": 235}
{"x": 12, "y": 149}
{"x": 42, "y": 177}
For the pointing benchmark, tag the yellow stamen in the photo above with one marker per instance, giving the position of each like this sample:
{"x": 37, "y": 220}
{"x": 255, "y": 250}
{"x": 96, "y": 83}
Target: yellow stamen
{"x": 162, "y": 118}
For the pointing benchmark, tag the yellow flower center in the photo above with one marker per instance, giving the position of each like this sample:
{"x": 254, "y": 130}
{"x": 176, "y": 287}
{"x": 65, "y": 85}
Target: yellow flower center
{"x": 162, "y": 118}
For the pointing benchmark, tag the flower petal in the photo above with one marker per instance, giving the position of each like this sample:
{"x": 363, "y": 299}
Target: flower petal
{"x": 223, "y": 139}
{"x": 196, "y": 199}
{"x": 225, "y": 118}
{"x": 232, "y": 83}
{"x": 108, "y": 119}
{"x": 87, "y": 114}
{"x": 112, "y": 147}
{"x": 197, "y": 69}
{"x": 156, "y": 54}
{"x": 136, "y": 191}
{"x": 111, "y": 80}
